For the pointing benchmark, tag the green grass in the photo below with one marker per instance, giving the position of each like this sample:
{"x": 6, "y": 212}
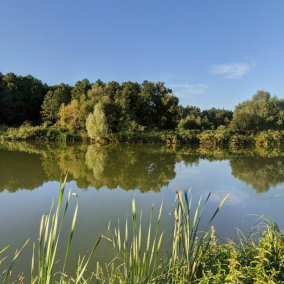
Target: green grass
{"x": 207, "y": 138}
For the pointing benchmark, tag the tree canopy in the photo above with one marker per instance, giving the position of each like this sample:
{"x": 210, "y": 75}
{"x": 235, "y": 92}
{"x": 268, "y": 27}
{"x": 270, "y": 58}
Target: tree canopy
{"x": 262, "y": 112}
{"x": 127, "y": 106}
{"x": 96, "y": 123}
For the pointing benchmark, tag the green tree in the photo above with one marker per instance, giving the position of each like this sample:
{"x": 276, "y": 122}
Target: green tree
{"x": 50, "y": 108}
{"x": 2, "y": 87}
{"x": 101, "y": 93}
{"x": 68, "y": 116}
{"x": 128, "y": 101}
{"x": 34, "y": 91}
{"x": 96, "y": 123}
{"x": 59, "y": 95}
{"x": 157, "y": 106}
{"x": 168, "y": 111}
{"x": 80, "y": 88}
{"x": 188, "y": 110}
{"x": 113, "y": 89}
{"x": 20, "y": 99}
{"x": 190, "y": 123}
{"x": 216, "y": 117}
{"x": 263, "y": 112}
{"x": 13, "y": 103}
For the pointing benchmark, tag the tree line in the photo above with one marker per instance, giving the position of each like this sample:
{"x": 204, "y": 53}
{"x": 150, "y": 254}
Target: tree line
{"x": 113, "y": 107}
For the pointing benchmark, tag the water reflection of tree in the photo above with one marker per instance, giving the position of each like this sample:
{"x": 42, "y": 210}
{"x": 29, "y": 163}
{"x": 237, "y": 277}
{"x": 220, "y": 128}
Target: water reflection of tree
{"x": 20, "y": 170}
{"x": 260, "y": 173}
{"x": 143, "y": 167}
{"x": 130, "y": 167}
{"x": 96, "y": 159}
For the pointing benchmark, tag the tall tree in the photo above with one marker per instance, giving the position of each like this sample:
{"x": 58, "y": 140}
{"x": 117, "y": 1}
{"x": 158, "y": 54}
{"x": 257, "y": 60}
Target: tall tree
{"x": 128, "y": 101}
{"x": 2, "y": 88}
{"x": 34, "y": 91}
{"x": 216, "y": 117}
{"x": 13, "y": 102}
{"x": 68, "y": 116}
{"x": 262, "y": 112}
{"x": 81, "y": 88}
{"x": 96, "y": 123}
{"x": 60, "y": 94}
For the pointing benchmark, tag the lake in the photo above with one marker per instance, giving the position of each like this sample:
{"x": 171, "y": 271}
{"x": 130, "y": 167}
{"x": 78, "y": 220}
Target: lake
{"x": 107, "y": 178}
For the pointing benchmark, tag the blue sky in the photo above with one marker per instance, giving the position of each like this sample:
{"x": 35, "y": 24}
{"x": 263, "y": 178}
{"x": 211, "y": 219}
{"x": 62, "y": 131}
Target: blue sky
{"x": 211, "y": 53}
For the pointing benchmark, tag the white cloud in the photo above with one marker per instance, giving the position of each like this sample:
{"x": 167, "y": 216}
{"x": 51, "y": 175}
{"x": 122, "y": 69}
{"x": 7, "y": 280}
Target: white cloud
{"x": 233, "y": 70}
{"x": 188, "y": 89}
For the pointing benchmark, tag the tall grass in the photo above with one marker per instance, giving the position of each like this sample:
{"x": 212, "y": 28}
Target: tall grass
{"x": 6, "y": 274}
{"x": 188, "y": 243}
{"x": 49, "y": 234}
{"x": 194, "y": 256}
{"x": 136, "y": 265}
{"x": 132, "y": 263}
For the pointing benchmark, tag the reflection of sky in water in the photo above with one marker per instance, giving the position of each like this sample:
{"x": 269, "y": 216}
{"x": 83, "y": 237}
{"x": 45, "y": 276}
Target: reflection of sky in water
{"x": 215, "y": 177}
{"x": 21, "y": 211}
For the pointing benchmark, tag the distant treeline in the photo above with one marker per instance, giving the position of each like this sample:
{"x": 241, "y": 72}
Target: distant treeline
{"x": 108, "y": 108}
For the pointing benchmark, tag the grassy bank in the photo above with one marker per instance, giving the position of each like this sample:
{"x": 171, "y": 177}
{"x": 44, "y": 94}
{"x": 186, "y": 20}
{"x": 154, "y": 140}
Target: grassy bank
{"x": 40, "y": 132}
{"x": 208, "y": 138}
{"x": 193, "y": 257}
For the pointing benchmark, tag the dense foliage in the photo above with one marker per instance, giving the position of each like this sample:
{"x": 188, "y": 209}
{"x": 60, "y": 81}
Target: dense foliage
{"x": 20, "y": 99}
{"x": 146, "y": 112}
{"x": 263, "y": 112}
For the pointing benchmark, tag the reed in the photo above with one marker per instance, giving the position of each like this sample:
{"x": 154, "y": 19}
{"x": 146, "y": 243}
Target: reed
{"x": 6, "y": 274}
{"x": 133, "y": 264}
{"x": 194, "y": 256}
{"x": 189, "y": 245}
{"x": 49, "y": 234}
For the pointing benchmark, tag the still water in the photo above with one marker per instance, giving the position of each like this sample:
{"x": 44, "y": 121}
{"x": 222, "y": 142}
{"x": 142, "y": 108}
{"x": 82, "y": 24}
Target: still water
{"x": 107, "y": 178}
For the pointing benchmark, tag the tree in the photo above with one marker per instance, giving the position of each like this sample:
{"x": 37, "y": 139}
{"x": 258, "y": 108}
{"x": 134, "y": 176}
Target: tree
{"x": 68, "y": 116}
{"x": 96, "y": 123}
{"x": 190, "y": 123}
{"x": 34, "y": 91}
{"x": 20, "y": 99}
{"x": 50, "y": 108}
{"x": 245, "y": 121}
{"x": 2, "y": 88}
{"x": 157, "y": 106}
{"x": 59, "y": 95}
{"x": 168, "y": 112}
{"x": 188, "y": 110}
{"x": 216, "y": 117}
{"x": 13, "y": 104}
{"x": 81, "y": 88}
{"x": 128, "y": 100}
{"x": 263, "y": 112}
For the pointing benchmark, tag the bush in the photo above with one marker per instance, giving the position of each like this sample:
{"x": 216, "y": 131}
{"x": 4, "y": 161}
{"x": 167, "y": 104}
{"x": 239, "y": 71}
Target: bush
{"x": 238, "y": 140}
{"x": 189, "y": 136}
{"x": 269, "y": 138}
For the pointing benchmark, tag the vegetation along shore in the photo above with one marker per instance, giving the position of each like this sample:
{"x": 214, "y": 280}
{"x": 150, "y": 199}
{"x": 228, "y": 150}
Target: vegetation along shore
{"x": 194, "y": 256}
{"x": 131, "y": 112}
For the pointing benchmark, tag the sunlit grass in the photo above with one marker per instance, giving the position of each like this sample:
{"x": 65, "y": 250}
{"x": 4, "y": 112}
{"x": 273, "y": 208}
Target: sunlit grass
{"x": 194, "y": 256}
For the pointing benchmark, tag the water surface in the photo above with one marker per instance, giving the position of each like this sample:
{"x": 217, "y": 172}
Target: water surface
{"x": 107, "y": 177}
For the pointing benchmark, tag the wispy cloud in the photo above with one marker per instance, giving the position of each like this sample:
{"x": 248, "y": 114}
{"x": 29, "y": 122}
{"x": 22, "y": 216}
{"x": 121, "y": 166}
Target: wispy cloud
{"x": 188, "y": 89}
{"x": 233, "y": 70}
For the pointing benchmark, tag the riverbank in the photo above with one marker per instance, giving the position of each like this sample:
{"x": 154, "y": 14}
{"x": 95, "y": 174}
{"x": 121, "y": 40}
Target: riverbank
{"x": 269, "y": 138}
